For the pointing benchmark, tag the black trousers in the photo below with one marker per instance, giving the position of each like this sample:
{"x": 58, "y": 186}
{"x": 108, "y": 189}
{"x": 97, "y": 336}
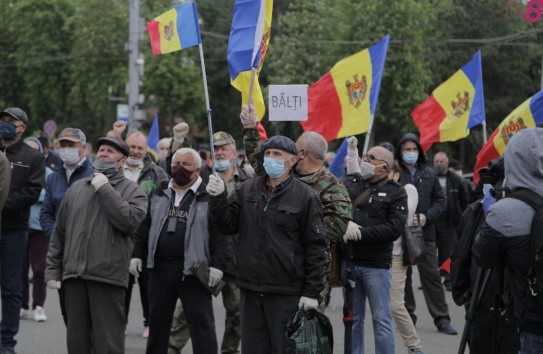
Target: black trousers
{"x": 264, "y": 321}
{"x": 445, "y": 240}
{"x": 481, "y": 334}
{"x": 166, "y": 285}
{"x": 142, "y": 282}
{"x": 97, "y": 313}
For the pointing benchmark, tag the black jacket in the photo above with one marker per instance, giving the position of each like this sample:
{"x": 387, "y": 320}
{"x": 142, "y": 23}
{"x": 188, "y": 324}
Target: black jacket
{"x": 281, "y": 238}
{"x": 431, "y": 197}
{"x": 382, "y": 217}
{"x": 458, "y": 198}
{"x": 27, "y": 181}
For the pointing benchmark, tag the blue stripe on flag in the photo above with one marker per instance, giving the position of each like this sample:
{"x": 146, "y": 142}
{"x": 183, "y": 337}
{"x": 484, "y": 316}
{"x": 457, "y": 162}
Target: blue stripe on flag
{"x": 187, "y": 25}
{"x": 337, "y": 167}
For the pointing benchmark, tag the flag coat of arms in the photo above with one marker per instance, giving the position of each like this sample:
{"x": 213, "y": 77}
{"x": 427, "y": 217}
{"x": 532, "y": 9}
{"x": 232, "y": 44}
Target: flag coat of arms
{"x": 344, "y": 100}
{"x": 528, "y": 115}
{"x": 247, "y": 47}
{"x": 175, "y": 29}
{"x": 454, "y": 107}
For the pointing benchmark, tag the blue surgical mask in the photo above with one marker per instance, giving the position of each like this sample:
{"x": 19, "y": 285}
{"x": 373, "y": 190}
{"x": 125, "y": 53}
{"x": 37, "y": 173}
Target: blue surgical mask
{"x": 274, "y": 168}
{"x": 410, "y": 158}
{"x": 222, "y": 165}
{"x": 7, "y": 131}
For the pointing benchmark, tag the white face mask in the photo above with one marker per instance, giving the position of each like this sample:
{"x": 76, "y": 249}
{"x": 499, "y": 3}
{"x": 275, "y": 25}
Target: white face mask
{"x": 367, "y": 170}
{"x": 70, "y": 156}
{"x": 134, "y": 162}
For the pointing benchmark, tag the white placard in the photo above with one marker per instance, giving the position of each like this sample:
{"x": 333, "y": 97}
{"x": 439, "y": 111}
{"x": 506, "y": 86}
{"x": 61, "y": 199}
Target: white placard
{"x": 122, "y": 112}
{"x": 287, "y": 102}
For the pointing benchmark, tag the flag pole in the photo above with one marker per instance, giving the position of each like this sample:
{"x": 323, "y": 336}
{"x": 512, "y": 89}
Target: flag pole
{"x": 208, "y": 108}
{"x": 484, "y": 131}
{"x": 251, "y": 86}
{"x": 368, "y": 136}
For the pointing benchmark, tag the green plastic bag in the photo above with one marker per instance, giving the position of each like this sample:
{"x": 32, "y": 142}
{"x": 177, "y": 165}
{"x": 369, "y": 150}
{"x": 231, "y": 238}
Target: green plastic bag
{"x": 309, "y": 332}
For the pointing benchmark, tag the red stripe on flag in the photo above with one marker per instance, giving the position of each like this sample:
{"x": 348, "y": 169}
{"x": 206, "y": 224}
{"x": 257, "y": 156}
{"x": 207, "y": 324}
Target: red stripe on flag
{"x": 428, "y": 117}
{"x": 324, "y": 109}
{"x": 261, "y": 131}
{"x": 154, "y": 35}
{"x": 487, "y": 154}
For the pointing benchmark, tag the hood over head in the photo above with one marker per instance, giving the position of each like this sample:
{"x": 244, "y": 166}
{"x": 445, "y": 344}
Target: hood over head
{"x": 523, "y": 160}
{"x": 414, "y": 138}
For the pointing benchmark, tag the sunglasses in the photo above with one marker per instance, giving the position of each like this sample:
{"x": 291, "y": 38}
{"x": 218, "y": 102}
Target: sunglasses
{"x": 371, "y": 157}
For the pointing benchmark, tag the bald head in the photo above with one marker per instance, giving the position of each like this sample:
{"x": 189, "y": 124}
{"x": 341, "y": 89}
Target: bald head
{"x": 314, "y": 144}
{"x": 383, "y": 154}
{"x": 441, "y": 157}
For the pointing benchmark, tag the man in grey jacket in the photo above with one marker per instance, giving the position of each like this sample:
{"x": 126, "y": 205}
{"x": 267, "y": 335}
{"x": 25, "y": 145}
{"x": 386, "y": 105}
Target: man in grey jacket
{"x": 90, "y": 251}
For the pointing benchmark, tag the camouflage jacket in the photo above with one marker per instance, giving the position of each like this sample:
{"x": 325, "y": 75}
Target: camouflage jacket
{"x": 336, "y": 204}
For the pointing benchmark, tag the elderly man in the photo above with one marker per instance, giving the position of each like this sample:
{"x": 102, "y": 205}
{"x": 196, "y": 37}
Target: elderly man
{"x": 90, "y": 251}
{"x": 27, "y": 181}
{"x": 233, "y": 176}
{"x": 177, "y": 237}
{"x": 281, "y": 246}
{"x": 76, "y": 166}
{"x": 141, "y": 169}
{"x": 380, "y": 210}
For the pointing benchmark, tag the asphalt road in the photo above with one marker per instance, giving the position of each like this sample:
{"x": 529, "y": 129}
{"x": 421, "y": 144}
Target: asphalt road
{"x": 50, "y": 337}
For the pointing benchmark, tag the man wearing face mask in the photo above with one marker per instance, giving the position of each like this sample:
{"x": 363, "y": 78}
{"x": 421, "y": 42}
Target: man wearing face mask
{"x": 457, "y": 197}
{"x": 75, "y": 166}
{"x": 90, "y": 250}
{"x": 413, "y": 167}
{"x": 176, "y": 236}
{"x": 281, "y": 245}
{"x": 380, "y": 213}
{"x": 233, "y": 176}
{"x": 141, "y": 169}
{"x": 27, "y": 180}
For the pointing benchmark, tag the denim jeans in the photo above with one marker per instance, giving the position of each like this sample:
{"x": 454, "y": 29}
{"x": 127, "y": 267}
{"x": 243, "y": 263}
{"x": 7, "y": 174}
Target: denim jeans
{"x": 373, "y": 284}
{"x": 13, "y": 244}
{"x": 531, "y": 343}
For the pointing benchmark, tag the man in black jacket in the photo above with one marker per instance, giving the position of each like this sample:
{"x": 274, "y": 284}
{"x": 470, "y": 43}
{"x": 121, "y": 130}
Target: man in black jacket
{"x": 457, "y": 199}
{"x": 27, "y": 180}
{"x": 412, "y": 163}
{"x": 380, "y": 210}
{"x": 281, "y": 246}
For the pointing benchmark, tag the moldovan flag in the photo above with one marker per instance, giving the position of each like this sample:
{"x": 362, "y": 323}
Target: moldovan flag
{"x": 175, "y": 29}
{"x": 247, "y": 47}
{"x": 153, "y": 137}
{"x": 343, "y": 101}
{"x": 454, "y": 107}
{"x": 528, "y": 115}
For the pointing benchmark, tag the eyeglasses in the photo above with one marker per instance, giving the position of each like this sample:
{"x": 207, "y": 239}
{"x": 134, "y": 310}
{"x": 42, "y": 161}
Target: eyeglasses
{"x": 371, "y": 157}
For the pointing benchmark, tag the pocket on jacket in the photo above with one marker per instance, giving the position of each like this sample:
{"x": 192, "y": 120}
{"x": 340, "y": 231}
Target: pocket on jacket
{"x": 378, "y": 208}
{"x": 287, "y": 218}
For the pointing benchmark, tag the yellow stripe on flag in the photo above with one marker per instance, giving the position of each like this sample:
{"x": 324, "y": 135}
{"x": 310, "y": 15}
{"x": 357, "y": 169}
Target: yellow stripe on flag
{"x": 167, "y": 26}
{"x": 353, "y": 79}
{"x": 517, "y": 120}
{"x": 242, "y": 83}
{"x": 455, "y": 96}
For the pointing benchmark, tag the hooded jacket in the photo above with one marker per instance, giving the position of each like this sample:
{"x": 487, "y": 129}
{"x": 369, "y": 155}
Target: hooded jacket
{"x": 431, "y": 196}
{"x": 506, "y": 233}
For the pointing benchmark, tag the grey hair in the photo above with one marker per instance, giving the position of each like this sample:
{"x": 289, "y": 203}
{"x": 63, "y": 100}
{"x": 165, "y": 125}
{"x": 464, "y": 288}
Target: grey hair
{"x": 195, "y": 155}
{"x": 315, "y": 144}
{"x": 166, "y": 141}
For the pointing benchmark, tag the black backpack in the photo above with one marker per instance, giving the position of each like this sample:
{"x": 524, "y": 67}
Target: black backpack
{"x": 534, "y": 288}
{"x": 472, "y": 218}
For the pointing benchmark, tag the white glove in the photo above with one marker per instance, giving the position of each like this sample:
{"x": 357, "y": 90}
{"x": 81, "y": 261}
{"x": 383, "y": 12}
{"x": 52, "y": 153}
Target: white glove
{"x": 215, "y": 276}
{"x": 215, "y": 185}
{"x": 180, "y": 131}
{"x": 53, "y": 284}
{"x": 135, "y": 267}
{"x": 98, "y": 181}
{"x": 422, "y": 219}
{"x": 308, "y": 303}
{"x": 352, "y": 146}
{"x": 248, "y": 115}
{"x": 353, "y": 232}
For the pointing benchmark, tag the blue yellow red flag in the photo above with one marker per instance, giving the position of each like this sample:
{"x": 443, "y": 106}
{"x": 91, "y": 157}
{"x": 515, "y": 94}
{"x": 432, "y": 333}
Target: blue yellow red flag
{"x": 175, "y": 29}
{"x": 344, "y": 100}
{"x": 154, "y": 136}
{"x": 247, "y": 47}
{"x": 528, "y": 115}
{"x": 337, "y": 166}
{"x": 454, "y": 107}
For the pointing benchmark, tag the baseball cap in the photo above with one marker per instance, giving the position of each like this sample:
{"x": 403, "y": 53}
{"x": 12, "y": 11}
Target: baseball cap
{"x": 16, "y": 113}
{"x": 222, "y": 138}
{"x": 117, "y": 143}
{"x": 72, "y": 134}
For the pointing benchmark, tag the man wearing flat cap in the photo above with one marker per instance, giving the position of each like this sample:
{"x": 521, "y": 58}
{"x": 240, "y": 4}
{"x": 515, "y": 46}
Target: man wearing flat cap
{"x": 90, "y": 250}
{"x": 27, "y": 180}
{"x": 281, "y": 245}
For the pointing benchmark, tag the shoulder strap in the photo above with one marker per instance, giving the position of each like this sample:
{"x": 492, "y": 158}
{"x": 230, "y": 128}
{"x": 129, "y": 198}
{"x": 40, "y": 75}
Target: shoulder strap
{"x": 362, "y": 197}
{"x": 529, "y": 197}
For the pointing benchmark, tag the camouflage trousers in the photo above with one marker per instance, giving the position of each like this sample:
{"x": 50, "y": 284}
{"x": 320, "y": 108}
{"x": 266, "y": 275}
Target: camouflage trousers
{"x": 180, "y": 335}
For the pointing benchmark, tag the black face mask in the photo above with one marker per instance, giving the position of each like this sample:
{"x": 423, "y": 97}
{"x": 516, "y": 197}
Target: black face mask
{"x": 181, "y": 175}
{"x": 106, "y": 167}
{"x": 7, "y": 131}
